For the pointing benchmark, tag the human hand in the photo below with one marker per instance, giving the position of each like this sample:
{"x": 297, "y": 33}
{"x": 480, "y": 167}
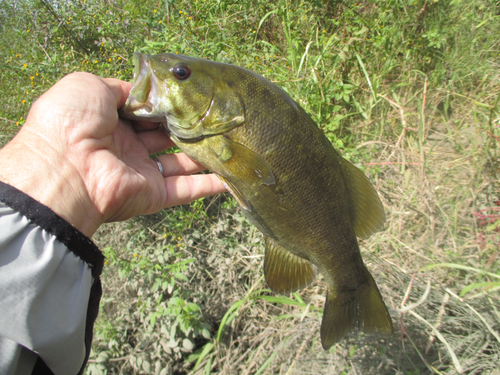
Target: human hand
{"x": 77, "y": 157}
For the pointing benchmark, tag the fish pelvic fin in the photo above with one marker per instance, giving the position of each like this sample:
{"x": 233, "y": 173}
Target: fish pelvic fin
{"x": 286, "y": 272}
{"x": 368, "y": 212}
{"x": 359, "y": 310}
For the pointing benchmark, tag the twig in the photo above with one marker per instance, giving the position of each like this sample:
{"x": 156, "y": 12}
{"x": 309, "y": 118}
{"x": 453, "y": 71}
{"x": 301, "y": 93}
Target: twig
{"x": 68, "y": 31}
{"x": 313, "y": 330}
{"x": 441, "y": 312}
{"x": 420, "y": 301}
{"x": 392, "y": 163}
{"x": 110, "y": 360}
{"x": 6, "y": 119}
{"x": 401, "y": 322}
{"x": 422, "y": 134}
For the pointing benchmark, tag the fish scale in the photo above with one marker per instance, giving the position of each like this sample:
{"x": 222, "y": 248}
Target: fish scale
{"x": 307, "y": 200}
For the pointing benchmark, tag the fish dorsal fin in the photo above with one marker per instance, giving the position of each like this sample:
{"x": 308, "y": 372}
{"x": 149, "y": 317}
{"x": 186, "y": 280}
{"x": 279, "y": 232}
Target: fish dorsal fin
{"x": 235, "y": 193}
{"x": 286, "y": 272}
{"x": 241, "y": 162}
{"x": 369, "y": 216}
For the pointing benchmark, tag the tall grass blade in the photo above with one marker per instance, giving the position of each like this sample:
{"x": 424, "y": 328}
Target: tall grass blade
{"x": 460, "y": 267}
{"x": 438, "y": 334}
{"x": 493, "y": 332}
{"x": 303, "y": 58}
{"x": 470, "y": 287}
{"x": 366, "y": 76}
{"x": 206, "y": 349}
{"x": 262, "y": 21}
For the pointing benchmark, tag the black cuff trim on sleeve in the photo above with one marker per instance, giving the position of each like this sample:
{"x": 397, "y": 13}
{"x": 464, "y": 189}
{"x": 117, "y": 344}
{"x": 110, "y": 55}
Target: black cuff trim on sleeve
{"x": 45, "y": 218}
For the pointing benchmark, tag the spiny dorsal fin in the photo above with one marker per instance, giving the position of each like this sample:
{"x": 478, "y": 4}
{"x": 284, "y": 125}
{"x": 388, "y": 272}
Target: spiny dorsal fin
{"x": 369, "y": 216}
{"x": 286, "y": 272}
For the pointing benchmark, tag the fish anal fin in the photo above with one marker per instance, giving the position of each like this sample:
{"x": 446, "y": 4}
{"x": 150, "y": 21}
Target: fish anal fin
{"x": 369, "y": 216}
{"x": 362, "y": 310}
{"x": 286, "y": 272}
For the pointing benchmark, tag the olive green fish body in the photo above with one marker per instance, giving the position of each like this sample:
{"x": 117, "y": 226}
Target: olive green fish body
{"x": 309, "y": 202}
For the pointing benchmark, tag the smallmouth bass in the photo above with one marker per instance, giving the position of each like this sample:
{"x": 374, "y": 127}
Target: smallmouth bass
{"x": 307, "y": 200}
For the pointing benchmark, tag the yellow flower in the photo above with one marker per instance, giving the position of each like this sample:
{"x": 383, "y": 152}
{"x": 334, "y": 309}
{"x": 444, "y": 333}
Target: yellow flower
{"x": 119, "y": 57}
{"x": 180, "y": 11}
{"x": 23, "y": 101}
{"x": 17, "y": 123}
{"x": 164, "y": 236}
{"x": 32, "y": 78}
{"x": 154, "y": 11}
{"x": 135, "y": 255}
{"x": 28, "y": 30}
{"x": 159, "y": 21}
{"x": 95, "y": 61}
{"x": 36, "y": 74}
{"x": 25, "y": 65}
{"x": 189, "y": 17}
{"x": 109, "y": 59}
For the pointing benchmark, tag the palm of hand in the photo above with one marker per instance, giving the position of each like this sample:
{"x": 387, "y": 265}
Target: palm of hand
{"x": 101, "y": 170}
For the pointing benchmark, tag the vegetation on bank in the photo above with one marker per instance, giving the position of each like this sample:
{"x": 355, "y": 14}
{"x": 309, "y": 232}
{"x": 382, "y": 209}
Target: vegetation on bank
{"x": 407, "y": 90}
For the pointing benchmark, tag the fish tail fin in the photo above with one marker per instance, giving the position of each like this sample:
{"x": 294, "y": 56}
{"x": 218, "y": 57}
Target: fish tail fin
{"x": 362, "y": 309}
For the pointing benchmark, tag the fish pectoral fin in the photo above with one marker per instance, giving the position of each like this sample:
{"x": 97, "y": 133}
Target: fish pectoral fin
{"x": 241, "y": 162}
{"x": 369, "y": 216}
{"x": 362, "y": 309}
{"x": 286, "y": 272}
{"x": 235, "y": 193}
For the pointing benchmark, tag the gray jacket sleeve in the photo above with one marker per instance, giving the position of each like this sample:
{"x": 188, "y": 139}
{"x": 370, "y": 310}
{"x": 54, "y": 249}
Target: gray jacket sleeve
{"x": 49, "y": 289}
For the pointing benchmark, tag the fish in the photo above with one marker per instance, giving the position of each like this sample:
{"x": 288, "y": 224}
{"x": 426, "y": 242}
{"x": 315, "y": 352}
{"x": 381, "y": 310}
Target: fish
{"x": 309, "y": 202}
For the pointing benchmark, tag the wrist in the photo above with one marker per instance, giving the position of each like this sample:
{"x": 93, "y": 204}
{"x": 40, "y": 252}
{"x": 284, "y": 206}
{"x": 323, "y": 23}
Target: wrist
{"x": 51, "y": 180}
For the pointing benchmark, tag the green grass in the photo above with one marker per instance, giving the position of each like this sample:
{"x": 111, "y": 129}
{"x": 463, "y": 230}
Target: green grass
{"x": 407, "y": 90}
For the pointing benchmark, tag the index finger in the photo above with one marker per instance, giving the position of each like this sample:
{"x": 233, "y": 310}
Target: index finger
{"x": 120, "y": 89}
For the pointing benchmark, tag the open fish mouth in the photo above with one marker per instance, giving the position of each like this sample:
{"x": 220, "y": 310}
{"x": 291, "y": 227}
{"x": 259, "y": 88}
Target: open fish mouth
{"x": 152, "y": 99}
{"x": 143, "y": 97}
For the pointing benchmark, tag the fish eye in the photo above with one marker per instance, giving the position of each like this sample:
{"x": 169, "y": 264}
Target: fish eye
{"x": 181, "y": 72}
